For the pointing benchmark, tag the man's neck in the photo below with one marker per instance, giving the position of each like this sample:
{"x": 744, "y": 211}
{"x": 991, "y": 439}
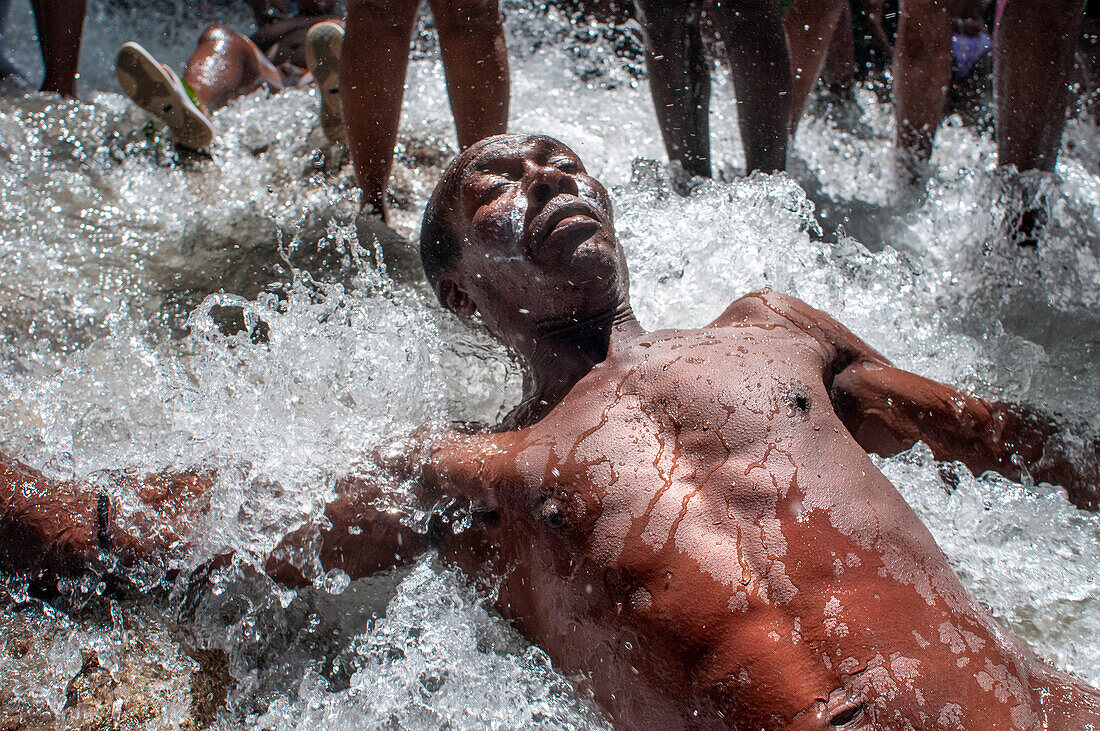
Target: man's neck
{"x": 564, "y": 351}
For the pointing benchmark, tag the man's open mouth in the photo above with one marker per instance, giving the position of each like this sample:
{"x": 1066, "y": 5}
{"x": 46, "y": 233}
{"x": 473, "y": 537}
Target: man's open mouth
{"x": 572, "y": 219}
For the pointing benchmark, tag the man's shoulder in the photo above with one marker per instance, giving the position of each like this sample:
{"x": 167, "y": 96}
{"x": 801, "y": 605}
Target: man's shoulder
{"x": 765, "y": 306}
{"x": 762, "y": 305}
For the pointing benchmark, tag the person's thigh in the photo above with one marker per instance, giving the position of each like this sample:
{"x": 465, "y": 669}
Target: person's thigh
{"x": 385, "y": 17}
{"x": 465, "y": 15}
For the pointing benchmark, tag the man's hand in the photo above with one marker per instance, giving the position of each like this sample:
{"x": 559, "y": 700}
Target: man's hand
{"x": 44, "y": 524}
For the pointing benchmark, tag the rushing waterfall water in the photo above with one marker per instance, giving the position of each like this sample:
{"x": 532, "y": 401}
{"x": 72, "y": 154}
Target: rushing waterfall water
{"x": 163, "y": 309}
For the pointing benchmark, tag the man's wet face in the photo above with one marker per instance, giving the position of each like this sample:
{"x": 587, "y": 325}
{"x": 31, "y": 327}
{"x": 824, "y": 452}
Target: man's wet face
{"x": 537, "y": 227}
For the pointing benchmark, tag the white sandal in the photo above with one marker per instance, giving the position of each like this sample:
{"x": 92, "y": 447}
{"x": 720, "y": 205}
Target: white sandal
{"x": 154, "y": 88}
{"x": 324, "y": 44}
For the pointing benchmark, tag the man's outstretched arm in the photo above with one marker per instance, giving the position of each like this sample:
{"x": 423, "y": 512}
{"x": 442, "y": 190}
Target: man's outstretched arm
{"x": 362, "y": 533}
{"x": 62, "y": 528}
{"x": 887, "y": 410}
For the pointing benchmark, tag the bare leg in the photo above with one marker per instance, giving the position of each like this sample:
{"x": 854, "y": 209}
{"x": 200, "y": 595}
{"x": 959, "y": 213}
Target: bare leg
{"x": 1033, "y": 58}
{"x": 839, "y": 73}
{"x": 922, "y": 76}
{"x": 753, "y": 34}
{"x": 60, "y": 25}
{"x": 679, "y": 80}
{"x": 372, "y": 70}
{"x": 810, "y": 25}
{"x": 226, "y": 65}
{"x": 471, "y": 38}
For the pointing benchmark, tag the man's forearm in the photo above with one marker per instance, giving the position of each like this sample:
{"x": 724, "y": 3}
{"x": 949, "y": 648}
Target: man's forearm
{"x": 63, "y": 526}
{"x": 888, "y": 410}
{"x": 360, "y": 537}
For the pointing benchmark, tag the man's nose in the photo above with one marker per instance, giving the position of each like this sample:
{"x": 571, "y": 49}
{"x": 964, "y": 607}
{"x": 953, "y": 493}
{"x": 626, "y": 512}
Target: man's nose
{"x": 547, "y": 181}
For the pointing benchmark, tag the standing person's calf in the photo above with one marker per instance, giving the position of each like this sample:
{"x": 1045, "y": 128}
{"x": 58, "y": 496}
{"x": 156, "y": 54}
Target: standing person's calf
{"x": 679, "y": 77}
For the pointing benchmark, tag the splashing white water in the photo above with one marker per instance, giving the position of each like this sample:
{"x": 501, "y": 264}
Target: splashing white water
{"x": 122, "y": 267}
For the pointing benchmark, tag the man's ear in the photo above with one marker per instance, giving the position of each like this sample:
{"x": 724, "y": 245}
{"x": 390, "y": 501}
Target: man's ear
{"x": 454, "y": 298}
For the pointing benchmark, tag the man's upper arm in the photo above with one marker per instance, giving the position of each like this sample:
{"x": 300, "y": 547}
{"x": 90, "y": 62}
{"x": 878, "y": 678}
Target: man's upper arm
{"x": 469, "y": 466}
{"x": 361, "y": 534}
{"x": 888, "y": 410}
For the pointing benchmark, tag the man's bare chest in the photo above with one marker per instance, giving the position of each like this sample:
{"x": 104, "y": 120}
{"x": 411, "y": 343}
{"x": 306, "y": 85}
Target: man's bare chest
{"x": 660, "y": 434}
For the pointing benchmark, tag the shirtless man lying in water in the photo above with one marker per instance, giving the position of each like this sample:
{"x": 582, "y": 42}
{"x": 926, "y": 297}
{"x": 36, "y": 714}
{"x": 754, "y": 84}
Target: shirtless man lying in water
{"x": 688, "y": 517}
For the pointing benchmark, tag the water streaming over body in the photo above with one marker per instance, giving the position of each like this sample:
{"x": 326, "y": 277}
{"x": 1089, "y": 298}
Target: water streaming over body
{"x": 124, "y": 268}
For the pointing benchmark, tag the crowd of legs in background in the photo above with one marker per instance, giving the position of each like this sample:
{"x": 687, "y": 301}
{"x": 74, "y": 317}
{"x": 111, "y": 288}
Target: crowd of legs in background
{"x": 776, "y": 52}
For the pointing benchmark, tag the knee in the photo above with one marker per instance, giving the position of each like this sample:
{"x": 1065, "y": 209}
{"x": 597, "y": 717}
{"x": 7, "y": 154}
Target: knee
{"x": 467, "y": 17}
{"x": 218, "y": 33}
{"x": 388, "y": 17}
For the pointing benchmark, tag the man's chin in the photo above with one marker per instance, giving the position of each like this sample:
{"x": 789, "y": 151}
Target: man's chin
{"x": 591, "y": 262}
